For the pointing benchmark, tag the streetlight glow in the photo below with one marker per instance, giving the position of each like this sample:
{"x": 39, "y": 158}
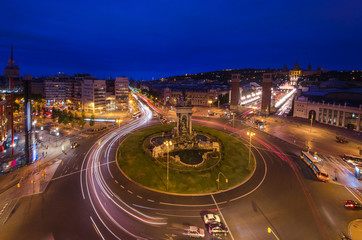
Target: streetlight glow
{"x": 168, "y": 144}
{"x": 250, "y": 134}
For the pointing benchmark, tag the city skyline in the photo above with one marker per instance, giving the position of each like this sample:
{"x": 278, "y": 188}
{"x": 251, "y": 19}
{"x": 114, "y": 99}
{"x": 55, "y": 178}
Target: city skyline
{"x": 154, "y": 40}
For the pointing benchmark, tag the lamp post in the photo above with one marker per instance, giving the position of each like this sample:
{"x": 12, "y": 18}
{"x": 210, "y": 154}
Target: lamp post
{"x": 233, "y": 119}
{"x": 271, "y": 231}
{"x": 209, "y": 102}
{"x": 119, "y": 122}
{"x": 250, "y": 134}
{"x": 218, "y": 179}
{"x": 168, "y": 144}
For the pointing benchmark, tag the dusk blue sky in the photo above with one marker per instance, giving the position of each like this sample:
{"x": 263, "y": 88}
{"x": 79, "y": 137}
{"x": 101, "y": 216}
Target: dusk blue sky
{"x": 145, "y": 39}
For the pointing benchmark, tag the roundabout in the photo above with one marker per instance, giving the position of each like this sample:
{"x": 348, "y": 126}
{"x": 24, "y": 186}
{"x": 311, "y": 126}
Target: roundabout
{"x": 127, "y": 205}
{"x": 126, "y": 209}
{"x": 198, "y": 174}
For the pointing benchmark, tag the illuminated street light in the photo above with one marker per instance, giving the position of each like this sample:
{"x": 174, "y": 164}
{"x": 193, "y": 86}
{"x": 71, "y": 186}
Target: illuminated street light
{"x": 233, "y": 114}
{"x": 119, "y": 122}
{"x": 271, "y": 231}
{"x": 250, "y": 134}
{"x": 218, "y": 179}
{"x": 168, "y": 144}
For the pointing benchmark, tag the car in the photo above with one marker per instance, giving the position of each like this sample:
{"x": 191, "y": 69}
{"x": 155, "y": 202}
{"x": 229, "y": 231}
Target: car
{"x": 211, "y": 218}
{"x": 74, "y": 145}
{"x": 193, "y": 231}
{"x": 352, "y": 204}
{"x": 218, "y": 228}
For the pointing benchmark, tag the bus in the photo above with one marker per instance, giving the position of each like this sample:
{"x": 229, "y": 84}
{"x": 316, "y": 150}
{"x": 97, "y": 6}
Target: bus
{"x": 308, "y": 158}
{"x": 355, "y": 160}
{"x": 315, "y": 165}
{"x": 320, "y": 172}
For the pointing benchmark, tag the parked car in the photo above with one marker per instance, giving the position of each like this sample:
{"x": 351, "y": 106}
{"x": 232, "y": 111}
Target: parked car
{"x": 352, "y": 204}
{"x": 193, "y": 231}
{"x": 74, "y": 145}
{"x": 218, "y": 228}
{"x": 211, "y": 218}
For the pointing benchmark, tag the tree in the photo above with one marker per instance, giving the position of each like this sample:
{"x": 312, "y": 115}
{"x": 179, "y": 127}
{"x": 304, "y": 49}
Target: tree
{"x": 70, "y": 116}
{"x": 65, "y": 117}
{"x": 91, "y": 123}
{"x": 54, "y": 114}
{"x": 81, "y": 121}
{"x": 76, "y": 116}
{"x": 39, "y": 109}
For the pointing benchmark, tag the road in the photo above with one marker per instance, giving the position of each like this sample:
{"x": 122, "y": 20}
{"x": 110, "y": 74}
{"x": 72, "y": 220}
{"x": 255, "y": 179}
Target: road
{"x": 88, "y": 198}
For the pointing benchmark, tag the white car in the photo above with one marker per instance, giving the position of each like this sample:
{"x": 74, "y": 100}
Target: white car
{"x": 211, "y": 218}
{"x": 193, "y": 231}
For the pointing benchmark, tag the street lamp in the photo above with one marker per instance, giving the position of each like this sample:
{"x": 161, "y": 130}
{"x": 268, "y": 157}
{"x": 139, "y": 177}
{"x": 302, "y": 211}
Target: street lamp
{"x": 233, "y": 114}
{"x": 250, "y": 134}
{"x": 119, "y": 122}
{"x": 168, "y": 144}
{"x": 209, "y": 102}
{"x": 218, "y": 179}
{"x": 271, "y": 231}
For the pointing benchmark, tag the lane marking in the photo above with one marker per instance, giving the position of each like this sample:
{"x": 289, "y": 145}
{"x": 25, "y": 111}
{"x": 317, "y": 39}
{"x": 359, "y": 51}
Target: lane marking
{"x": 139, "y": 196}
{"x": 130, "y": 191}
{"x": 96, "y": 228}
{"x": 352, "y": 193}
{"x": 222, "y": 216}
{"x": 150, "y": 200}
{"x": 185, "y": 205}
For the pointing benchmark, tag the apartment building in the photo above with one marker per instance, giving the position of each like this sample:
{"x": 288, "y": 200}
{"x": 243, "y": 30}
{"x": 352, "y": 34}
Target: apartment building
{"x": 121, "y": 92}
{"x": 94, "y": 95}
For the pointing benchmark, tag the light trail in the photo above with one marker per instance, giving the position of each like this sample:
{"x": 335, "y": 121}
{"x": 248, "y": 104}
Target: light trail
{"x": 284, "y": 158}
{"x": 96, "y": 185}
{"x": 285, "y": 98}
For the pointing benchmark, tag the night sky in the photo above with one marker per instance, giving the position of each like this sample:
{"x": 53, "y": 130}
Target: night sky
{"x": 146, "y": 39}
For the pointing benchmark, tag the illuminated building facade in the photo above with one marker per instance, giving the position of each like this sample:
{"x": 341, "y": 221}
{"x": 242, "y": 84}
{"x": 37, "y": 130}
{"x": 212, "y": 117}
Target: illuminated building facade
{"x": 121, "y": 92}
{"x": 94, "y": 95}
{"x": 197, "y": 97}
{"x": 3, "y": 125}
{"x": 333, "y": 113}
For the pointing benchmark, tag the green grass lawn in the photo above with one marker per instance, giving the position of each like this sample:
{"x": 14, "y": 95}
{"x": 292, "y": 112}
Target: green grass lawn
{"x": 143, "y": 169}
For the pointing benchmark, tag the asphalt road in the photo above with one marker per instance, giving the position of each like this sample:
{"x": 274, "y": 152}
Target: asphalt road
{"x": 88, "y": 198}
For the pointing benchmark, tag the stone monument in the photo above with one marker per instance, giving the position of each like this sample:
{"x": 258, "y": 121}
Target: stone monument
{"x": 184, "y": 134}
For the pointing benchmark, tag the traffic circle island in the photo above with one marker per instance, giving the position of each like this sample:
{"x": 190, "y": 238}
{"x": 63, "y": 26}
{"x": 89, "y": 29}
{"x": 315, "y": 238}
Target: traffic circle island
{"x": 182, "y": 169}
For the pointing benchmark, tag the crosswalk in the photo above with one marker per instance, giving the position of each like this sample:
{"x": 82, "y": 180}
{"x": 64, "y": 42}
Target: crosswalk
{"x": 340, "y": 172}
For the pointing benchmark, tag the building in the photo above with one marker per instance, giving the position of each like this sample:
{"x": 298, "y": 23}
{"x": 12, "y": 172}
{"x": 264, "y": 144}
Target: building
{"x": 37, "y": 86}
{"x": 94, "y": 95}
{"x": 197, "y": 97}
{"x": 266, "y": 96}
{"x": 73, "y": 92}
{"x": 3, "y": 125}
{"x": 121, "y": 92}
{"x": 55, "y": 89}
{"x": 336, "y": 107}
{"x": 235, "y": 91}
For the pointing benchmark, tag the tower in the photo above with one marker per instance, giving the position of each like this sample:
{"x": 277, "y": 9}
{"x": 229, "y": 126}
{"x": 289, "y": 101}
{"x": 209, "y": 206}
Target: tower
{"x": 235, "y": 90}
{"x": 12, "y": 71}
{"x": 266, "y": 95}
{"x": 296, "y": 66}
